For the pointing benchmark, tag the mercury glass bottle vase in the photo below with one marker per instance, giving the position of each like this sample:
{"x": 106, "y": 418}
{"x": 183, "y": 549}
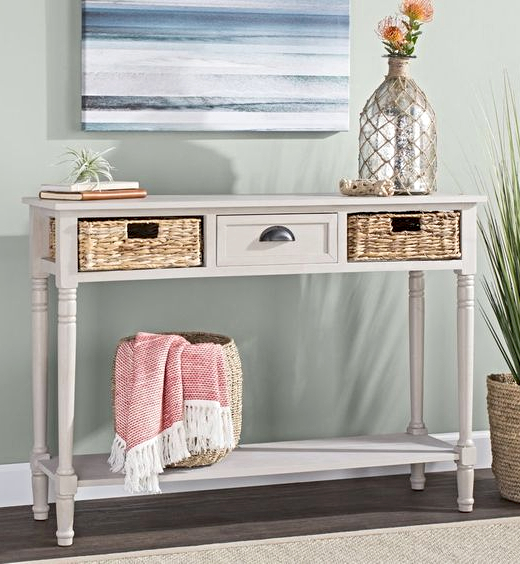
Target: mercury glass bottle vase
{"x": 398, "y": 134}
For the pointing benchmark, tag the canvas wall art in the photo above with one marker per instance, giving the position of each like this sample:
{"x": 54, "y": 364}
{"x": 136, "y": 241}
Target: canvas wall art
{"x": 215, "y": 65}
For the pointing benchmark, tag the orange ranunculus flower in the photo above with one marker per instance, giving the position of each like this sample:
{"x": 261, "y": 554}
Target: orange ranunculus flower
{"x": 390, "y": 29}
{"x": 418, "y": 10}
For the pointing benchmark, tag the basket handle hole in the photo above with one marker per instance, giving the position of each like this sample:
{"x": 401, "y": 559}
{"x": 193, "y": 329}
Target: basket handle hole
{"x": 147, "y": 230}
{"x": 400, "y": 224}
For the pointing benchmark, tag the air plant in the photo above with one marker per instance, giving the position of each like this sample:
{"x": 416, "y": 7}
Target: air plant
{"x": 87, "y": 165}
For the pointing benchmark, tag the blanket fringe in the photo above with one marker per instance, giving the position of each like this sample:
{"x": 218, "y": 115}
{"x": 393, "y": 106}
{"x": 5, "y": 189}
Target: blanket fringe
{"x": 143, "y": 463}
{"x": 173, "y": 442}
{"x": 143, "y": 466}
{"x": 227, "y": 425}
{"x": 207, "y": 426}
{"x": 117, "y": 454}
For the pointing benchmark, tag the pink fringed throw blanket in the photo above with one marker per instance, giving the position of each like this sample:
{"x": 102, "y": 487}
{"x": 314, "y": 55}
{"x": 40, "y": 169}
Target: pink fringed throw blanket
{"x": 170, "y": 401}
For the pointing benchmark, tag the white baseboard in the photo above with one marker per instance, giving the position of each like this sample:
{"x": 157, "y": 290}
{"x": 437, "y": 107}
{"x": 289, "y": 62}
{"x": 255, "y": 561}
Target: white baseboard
{"x": 15, "y": 479}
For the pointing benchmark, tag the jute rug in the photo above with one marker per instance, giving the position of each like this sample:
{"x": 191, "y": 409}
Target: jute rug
{"x": 493, "y": 541}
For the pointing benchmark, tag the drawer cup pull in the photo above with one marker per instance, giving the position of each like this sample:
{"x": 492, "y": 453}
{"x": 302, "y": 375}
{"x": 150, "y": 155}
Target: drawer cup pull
{"x": 277, "y": 233}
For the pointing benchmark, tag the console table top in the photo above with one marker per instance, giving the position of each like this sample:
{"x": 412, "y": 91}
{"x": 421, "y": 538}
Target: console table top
{"x": 184, "y": 201}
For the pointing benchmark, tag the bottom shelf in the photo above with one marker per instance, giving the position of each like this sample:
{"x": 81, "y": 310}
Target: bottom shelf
{"x": 287, "y": 457}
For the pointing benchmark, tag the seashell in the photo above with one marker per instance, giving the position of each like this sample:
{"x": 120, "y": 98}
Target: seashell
{"x": 366, "y": 187}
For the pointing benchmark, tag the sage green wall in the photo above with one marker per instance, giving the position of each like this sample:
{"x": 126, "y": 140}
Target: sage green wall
{"x": 323, "y": 355}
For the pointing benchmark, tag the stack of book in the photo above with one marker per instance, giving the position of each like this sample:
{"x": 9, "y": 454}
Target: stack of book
{"x": 92, "y": 191}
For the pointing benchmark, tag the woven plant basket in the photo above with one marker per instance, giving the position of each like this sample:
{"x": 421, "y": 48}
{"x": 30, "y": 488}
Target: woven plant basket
{"x": 233, "y": 369}
{"x": 503, "y": 402}
{"x": 403, "y": 236}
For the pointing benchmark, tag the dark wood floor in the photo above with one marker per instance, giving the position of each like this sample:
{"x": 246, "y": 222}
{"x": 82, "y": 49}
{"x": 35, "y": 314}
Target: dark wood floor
{"x": 139, "y": 523}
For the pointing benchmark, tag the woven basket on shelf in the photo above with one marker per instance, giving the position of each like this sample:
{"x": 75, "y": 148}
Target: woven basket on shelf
{"x": 503, "y": 402}
{"x": 233, "y": 370}
{"x": 136, "y": 243}
{"x": 403, "y": 236}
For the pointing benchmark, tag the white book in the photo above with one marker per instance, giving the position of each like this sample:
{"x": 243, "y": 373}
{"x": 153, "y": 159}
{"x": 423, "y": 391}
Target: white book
{"x": 90, "y": 186}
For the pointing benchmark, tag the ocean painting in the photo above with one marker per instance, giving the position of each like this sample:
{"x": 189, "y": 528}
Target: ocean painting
{"x": 215, "y": 65}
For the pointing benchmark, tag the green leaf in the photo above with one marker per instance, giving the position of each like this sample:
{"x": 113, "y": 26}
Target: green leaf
{"x": 500, "y": 229}
{"x": 87, "y": 165}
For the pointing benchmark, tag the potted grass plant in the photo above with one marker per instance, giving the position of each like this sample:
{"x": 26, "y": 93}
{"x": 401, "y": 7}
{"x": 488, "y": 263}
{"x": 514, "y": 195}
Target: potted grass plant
{"x": 500, "y": 229}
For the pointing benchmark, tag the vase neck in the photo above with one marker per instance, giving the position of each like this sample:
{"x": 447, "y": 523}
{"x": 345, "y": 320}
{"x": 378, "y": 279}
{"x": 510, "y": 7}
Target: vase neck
{"x": 397, "y": 67}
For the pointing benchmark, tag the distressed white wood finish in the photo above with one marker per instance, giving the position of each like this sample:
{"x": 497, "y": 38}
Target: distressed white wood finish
{"x": 211, "y": 207}
{"x": 39, "y": 312}
{"x": 468, "y": 240}
{"x": 416, "y": 353}
{"x": 259, "y": 202}
{"x": 261, "y": 270}
{"x": 66, "y": 268}
{"x": 40, "y": 483}
{"x": 209, "y": 233}
{"x": 238, "y": 239}
{"x": 66, "y": 482}
{"x": 285, "y": 457}
{"x": 414, "y": 447}
{"x": 465, "y": 344}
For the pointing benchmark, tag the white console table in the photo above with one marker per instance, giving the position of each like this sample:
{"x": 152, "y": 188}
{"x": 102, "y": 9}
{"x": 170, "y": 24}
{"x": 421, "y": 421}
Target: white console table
{"x": 231, "y": 227}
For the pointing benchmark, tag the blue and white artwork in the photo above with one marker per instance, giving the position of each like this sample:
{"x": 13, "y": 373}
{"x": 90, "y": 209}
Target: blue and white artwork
{"x": 215, "y": 65}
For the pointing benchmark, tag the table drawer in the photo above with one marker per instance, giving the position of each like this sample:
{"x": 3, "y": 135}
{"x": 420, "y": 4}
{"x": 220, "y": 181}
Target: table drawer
{"x": 246, "y": 240}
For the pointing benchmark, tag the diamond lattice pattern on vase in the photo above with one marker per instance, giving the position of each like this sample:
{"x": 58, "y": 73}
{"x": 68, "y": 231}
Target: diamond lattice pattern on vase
{"x": 398, "y": 137}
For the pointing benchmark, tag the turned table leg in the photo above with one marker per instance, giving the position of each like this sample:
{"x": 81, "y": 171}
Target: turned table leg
{"x": 40, "y": 481}
{"x": 465, "y": 335}
{"x": 66, "y": 479}
{"x": 416, "y": 348}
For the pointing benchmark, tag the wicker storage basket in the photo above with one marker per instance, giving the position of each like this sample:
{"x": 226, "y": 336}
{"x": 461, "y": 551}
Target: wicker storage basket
{"x": 132, "y": 244}
{"x": 234, "y": 386}
{"x": 503, "y": 402}
{"x": 403, "y": 236}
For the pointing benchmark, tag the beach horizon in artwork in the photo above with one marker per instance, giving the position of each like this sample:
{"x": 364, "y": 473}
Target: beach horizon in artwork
{"x": 215, "y": 65}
